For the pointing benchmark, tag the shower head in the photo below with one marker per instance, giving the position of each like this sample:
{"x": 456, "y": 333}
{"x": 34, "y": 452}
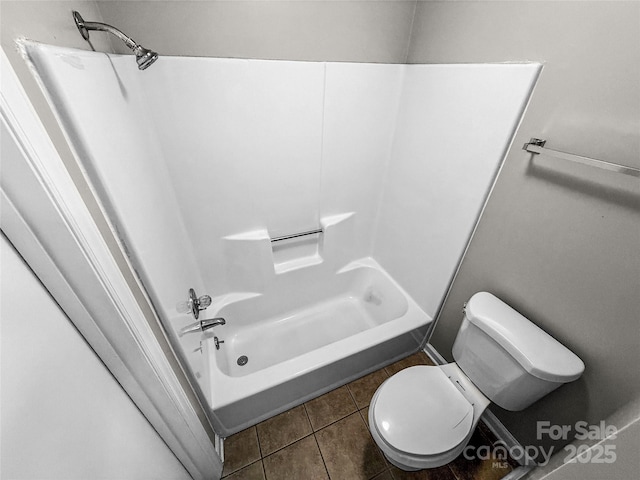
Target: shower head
{"x": 144, "y": 56}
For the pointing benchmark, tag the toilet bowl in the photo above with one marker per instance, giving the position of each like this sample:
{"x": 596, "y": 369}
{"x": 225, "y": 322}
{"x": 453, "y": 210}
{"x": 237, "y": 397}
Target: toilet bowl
{"x": 423, "y": 416}
{"x": 438, "y": 400}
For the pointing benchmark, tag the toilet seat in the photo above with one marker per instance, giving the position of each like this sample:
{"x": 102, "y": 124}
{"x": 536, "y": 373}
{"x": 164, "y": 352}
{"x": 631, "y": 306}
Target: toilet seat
{"x": 420, "y": 412}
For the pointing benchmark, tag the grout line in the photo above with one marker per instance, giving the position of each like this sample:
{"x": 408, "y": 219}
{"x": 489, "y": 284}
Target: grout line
{"x": 492, "y": 443}
{"x": 258, "y": 438}
{"x": 484, "y": 435}
{"x": 313, "y": 432}
{"x": 326, "y": 469}
{"x": 384, "y": 459}
{"x": 362, "y": 417}
{"x": 309, "y": 434}
{"x": 242, "y": 468}
{"x": 387, "y": 469}
{"x": 304, "y": 406}
{"x": 351, "y": 395}
{"x": 295, "y": 441}
{"x": 288, "y": 445}
{"x": 250, "y": 463}
{"x": 453, "y": 473}
{"x": 336, "y": 421}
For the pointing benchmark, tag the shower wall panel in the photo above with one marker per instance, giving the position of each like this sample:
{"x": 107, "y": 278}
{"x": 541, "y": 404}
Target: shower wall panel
{"x": 100, "y": 101}
{"x": 398, "y": 158}
{"x": 194, "y": 150}
{"x": 455, "y": 123}
{"x": 254, "y": 144}
{"x": 242, "y": 141}
{"x": 360, "y": 109}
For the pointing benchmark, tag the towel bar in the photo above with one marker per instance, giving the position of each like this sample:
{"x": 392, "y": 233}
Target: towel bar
{"x": 535, "y": 145}
{"x": 295, "y": 235}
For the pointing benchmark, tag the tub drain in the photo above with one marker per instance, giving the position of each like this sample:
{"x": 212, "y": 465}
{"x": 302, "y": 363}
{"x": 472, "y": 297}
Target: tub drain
{"x": 243, "y": 360}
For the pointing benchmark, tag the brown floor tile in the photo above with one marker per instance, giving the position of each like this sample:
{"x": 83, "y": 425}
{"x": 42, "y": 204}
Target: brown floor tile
{"x": 255, "y": 471}
{"x": 240, "y": 450}
{"x": 348, "y": 450}
{"x": 386, "y": 475}
{"x": 330, "y": 407}
{"x": 419, "y": 358}
{"x": 364, "y": 388}
{"x": 483, "y": 465}
{"x": 283, "y": 430}
{"x": 365, "y": 415}
{"x": 486, "y": 432}
{"x": 440, "y": 473}
{"x": 302, "y": 460}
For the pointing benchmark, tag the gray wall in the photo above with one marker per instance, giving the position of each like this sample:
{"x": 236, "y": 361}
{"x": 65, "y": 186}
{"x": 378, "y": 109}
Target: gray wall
{"x": 51, "y": 22}
{"x": 624, "y": 444}
{"x": 53, "y": 426}
{"x": 354, "y": 31}
{"x": 47, "y": 22}
{"x": 559, "y": 242}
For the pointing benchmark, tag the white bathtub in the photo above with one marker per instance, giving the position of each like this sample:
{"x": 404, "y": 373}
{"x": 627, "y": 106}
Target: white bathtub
{"x": 303, "y": 338}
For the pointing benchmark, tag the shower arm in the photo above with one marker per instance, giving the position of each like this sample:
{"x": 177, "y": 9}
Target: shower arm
{"x": 144, "y": 56}
{"x": 103, "y": 27}
{"x": 84, "y": 28}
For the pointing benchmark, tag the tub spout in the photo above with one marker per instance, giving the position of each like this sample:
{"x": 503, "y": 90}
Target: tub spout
{"x": 202, "y": 325}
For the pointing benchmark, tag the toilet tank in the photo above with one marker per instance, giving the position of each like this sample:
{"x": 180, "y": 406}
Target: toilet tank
{"x": 511, "y": 360}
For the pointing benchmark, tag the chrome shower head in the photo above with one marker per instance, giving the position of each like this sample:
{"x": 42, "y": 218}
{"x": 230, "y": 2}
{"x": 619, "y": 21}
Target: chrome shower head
{"x": 144, "y": 57}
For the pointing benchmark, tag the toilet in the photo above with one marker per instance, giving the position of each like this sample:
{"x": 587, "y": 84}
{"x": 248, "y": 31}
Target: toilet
{"x": 423, "y": 416}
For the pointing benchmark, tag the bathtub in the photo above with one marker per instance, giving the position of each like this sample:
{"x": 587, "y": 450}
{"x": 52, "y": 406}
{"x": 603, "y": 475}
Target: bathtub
{"x": 301, "y": 341}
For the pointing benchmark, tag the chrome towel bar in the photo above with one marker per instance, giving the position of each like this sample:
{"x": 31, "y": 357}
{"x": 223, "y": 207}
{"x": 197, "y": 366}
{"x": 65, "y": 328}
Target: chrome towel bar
{"x": 535, "y": 145}
{"x": 295, "y": 235}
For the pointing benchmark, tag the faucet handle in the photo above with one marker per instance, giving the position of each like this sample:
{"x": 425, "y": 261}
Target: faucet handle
{"x": 203, "y": 302}
{"x": 194, "y": 304}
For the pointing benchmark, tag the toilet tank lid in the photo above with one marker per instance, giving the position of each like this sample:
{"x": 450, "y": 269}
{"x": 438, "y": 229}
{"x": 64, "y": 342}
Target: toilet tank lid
{"x": 538, "y": 352}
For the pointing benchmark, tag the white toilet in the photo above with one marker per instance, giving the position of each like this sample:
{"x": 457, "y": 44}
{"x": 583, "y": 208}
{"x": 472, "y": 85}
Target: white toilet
{"x": 423, "y": 417}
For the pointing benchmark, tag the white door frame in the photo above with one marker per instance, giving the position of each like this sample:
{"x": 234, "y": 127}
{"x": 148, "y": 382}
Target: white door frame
{"x": 45, "y": 218}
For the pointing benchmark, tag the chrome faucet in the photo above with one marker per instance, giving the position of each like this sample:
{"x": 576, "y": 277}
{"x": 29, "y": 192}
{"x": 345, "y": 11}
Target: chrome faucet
{"x": 202, "y": 325}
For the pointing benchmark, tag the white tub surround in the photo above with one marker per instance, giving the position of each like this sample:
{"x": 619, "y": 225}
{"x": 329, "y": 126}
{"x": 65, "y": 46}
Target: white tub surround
{"x": 308, "y": 321}
{"x": 455, "y": 124}
{"x": 311, "y": 331}
{"x": 254, "y": 259}
{"x": 201, "y": 162}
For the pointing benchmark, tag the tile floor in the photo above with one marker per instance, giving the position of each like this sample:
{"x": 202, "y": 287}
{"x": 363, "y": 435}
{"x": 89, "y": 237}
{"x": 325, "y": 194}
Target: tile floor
{"x": 328, "y": 438}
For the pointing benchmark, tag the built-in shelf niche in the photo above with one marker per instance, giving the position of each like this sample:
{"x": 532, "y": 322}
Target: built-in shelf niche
{"x": 296, "y": 252}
